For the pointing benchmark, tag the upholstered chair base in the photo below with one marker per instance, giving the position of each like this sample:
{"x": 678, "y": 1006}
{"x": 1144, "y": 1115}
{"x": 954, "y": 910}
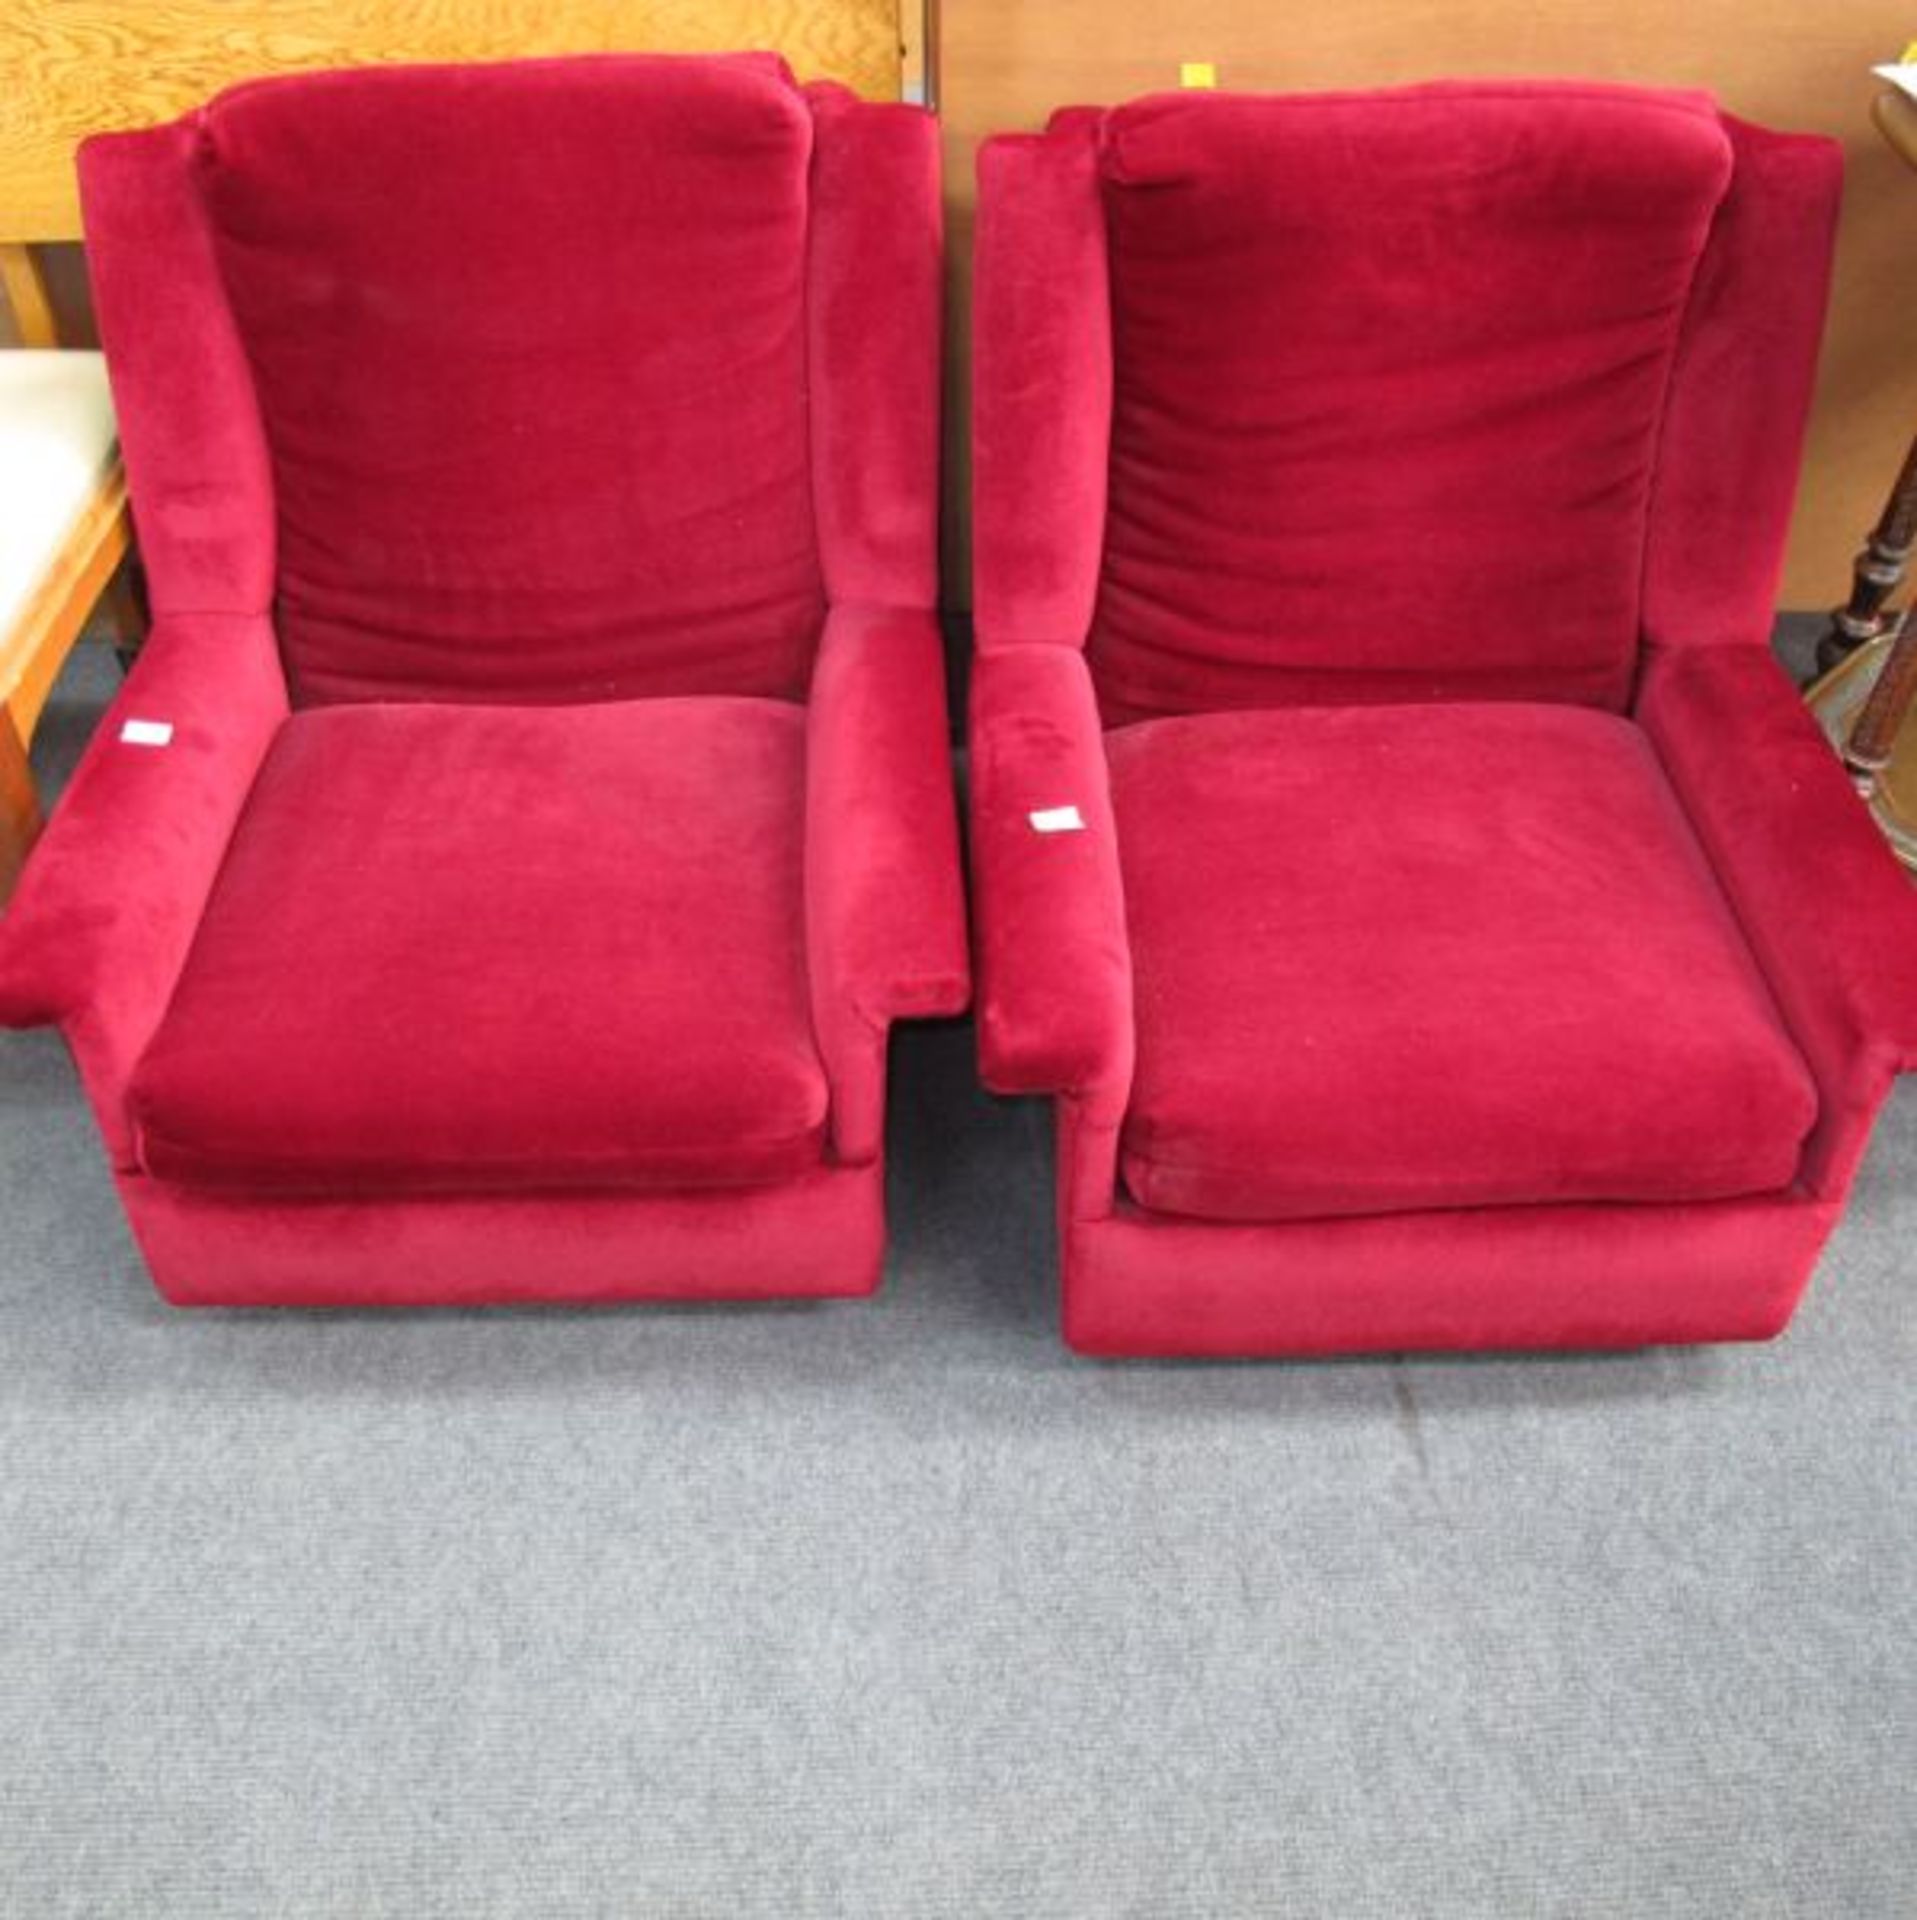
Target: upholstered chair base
{"x": 499, "y": 877}
{"x": 1583, "y": 1277}
{"x": 1466, "y": 941}
{"x": 824, "y": 1235}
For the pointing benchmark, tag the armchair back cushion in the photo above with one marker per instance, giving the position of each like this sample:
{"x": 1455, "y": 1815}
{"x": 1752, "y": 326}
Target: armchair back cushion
{"x": 1390, "y": 373}
{"x": 529, "y": 345}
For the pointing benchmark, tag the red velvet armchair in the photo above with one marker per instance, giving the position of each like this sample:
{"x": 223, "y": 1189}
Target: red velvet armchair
{"x": 1469, "y": 941}
{"x": 498, "y": 876}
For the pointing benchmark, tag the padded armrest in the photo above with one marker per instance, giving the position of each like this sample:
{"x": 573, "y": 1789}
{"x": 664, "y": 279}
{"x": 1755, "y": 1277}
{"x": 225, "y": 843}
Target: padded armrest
{"x": 113, "y": 893}
{"x": 1828, "y": 912}
{"x": 884, "y": 897}
{"x": 1054, "y": 958}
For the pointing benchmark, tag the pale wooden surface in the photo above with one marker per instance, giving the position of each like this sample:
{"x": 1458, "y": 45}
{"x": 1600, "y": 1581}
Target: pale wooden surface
{"x": 34, "y": 649}
{"x": 1787, "y": 63}
{"x": 74, "y": 67}
{"x": 36, "y": 642}
{"x": 918, "y": 68}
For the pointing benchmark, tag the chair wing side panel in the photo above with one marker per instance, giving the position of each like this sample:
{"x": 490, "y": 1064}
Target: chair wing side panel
{"x": 872, "y": 321}
{"x": 196, "y": 454}
{"x": 1740, "y": 394}
{"x": 1042, "y": 386}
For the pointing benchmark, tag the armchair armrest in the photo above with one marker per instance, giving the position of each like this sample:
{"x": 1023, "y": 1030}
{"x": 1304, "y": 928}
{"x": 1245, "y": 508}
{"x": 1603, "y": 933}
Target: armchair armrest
{"x": 884, "y": 898}
{"x": 1054, "y": 957}
{"x": 96, "y": 934}
{"x": 1829, "y": 914}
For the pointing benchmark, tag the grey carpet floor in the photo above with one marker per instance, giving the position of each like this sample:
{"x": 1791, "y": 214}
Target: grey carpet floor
{"x": 898, "y": 1609}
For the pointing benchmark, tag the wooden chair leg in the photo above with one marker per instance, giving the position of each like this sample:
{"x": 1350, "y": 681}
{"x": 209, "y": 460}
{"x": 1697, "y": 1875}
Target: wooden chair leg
{"x": 123, "y": 604}
{"x": 20, "y": 819}
{"x": 123, "y": 601}
{"x": 1879, "y": 569}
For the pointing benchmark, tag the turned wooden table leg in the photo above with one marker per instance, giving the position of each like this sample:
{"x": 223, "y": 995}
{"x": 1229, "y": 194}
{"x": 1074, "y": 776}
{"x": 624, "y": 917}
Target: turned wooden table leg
{"x": 1873, "y": 735}
{"x": 1877, "y": 571}
{"x": 19, "y": 805}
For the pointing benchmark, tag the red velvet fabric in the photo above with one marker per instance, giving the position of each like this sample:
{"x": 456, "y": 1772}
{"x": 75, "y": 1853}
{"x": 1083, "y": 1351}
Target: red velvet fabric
{"x": 1042, "y": 389}
{"x": 189, "y": 422}
{"x": 820, "y": 1235}
{"x": 1509, "y": 1277}
{"x": 1054, "y": 960}
{"x": 575, "y": 283}
{"x": 1830, "y": 916}
{"x": 455, "y": 949}
{"x": 873, "y": 292}
{"x": 1388, "y": 367}
{"x": 885, "y": 914}
{"x": 96, "y": 934}
{"x": 1741, "y": 394}
{"x": 503, "y": 966}
{"x": 1651, "y": 371}
{"x": 884, "y": 899}
{"x": 1397, "y": 958}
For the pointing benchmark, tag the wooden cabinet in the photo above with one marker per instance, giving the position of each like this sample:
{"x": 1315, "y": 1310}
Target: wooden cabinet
{"x": 75, "y": 67}
{"x": 1785, "y": 63}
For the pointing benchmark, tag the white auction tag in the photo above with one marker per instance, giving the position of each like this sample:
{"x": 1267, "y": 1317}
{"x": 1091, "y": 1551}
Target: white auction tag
{"x": 147, "y": 733}
{"x": 1058, "y": 820}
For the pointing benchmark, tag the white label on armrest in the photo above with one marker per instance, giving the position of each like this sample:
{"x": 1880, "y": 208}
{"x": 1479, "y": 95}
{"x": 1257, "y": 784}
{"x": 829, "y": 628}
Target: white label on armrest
{"x": 1058, "y": 820}
{"x": 147, "y": 733}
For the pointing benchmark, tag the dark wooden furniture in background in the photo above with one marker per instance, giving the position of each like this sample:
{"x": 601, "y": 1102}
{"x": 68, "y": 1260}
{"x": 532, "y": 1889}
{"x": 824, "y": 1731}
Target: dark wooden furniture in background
{"x": 1867, "y": 659}
{"x": 1004, "y": 64}
{"x": 1876, "y": 574}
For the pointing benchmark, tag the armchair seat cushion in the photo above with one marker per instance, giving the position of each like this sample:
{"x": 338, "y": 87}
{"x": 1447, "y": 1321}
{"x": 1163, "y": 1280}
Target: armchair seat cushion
{"x": 1442, "y": 956}
{"x": 474, "y": 947}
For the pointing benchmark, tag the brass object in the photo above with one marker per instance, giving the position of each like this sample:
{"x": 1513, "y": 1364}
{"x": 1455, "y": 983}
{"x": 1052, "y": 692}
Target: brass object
{"x": 1838, "y": 700}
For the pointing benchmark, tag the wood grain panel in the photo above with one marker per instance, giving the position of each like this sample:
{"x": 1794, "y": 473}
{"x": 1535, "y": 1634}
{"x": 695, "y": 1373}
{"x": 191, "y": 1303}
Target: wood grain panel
{"x": 1788, "y": 63}
{"x": 20, "y": 818}
{"x": 29, "y": 304}
{"x": 74, "y": 67}
{"x": 31, "y": 653}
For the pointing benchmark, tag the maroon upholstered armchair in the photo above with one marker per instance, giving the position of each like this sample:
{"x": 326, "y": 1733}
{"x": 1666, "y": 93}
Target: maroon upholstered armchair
{"x": 1393, "y": 842}
{"x": 497, "y": 878}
